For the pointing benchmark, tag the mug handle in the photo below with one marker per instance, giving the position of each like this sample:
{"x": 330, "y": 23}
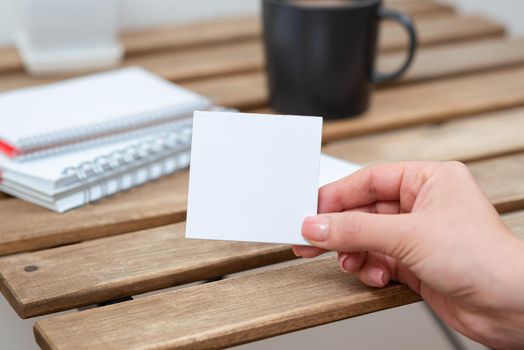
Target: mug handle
{"x": 406, "y": 22}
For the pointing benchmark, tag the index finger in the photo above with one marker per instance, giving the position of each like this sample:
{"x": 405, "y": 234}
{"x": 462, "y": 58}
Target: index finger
{"x": 385, "y": 182}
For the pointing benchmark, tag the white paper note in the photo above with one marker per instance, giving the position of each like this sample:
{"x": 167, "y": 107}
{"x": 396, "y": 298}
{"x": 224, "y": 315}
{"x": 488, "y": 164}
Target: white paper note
{"x": 333, "y": 169}
{"x": 253, "y": 177}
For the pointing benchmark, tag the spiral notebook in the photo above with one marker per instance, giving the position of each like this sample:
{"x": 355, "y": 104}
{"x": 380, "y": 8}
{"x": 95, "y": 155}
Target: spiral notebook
{"x": 67, "y": 144}
{"x": 57, "y": 117}
{"x": 69, "y": 180}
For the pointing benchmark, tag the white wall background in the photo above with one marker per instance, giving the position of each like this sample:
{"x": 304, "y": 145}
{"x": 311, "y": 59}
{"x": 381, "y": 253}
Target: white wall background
{"x": 17, "y": 334}
{"x": 144, "y": 13}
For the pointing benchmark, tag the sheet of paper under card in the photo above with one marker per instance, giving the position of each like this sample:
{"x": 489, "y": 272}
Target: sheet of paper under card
{"x": 255, "y": 177}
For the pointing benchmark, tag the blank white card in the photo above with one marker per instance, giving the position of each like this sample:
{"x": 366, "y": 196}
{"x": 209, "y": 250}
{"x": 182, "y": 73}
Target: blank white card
{"x": 253, "y": 177}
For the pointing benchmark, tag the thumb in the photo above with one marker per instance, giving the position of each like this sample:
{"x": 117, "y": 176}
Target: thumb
{"x": 359, "y": 231}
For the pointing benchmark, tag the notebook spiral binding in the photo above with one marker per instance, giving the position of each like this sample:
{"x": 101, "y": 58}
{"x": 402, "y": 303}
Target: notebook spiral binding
{"x": 142, "y": 119}
{"x": 173, "y": 145}
{"x": 155, "y": 129}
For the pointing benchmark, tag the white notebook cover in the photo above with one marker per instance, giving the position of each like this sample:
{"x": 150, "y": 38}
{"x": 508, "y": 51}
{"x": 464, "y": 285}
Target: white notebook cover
{"x": 79, "y": 109}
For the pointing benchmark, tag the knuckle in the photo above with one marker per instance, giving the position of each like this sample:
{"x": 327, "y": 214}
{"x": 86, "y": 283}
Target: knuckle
{"x": 346, "y": 229}
{"x": 456, "y": 167}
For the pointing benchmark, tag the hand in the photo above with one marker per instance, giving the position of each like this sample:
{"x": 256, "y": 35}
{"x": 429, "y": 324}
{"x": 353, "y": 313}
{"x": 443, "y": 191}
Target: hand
{"x": 427, "y": 225}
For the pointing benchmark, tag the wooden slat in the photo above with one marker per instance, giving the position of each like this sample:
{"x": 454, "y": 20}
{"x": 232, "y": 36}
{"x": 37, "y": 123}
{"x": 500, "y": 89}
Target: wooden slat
{"x": 393, "y": 108}
{"x": 183, "y": 36}
{"x": 154, "y": 204}
{"x": 501, "y": 180}
{"x": 174, "y": 37}
{"x": 242, "y": 91}
{"x": 418, "y": 8}
{"x": 434, "y": 102}
{"x": 95, "y": 271}
{"x": 225, "y": 313}
{"x": 249, "y": 91}
{"x": 440, "y": 30}
{"x": 9, "y": 60}
{"x": 464, "y": 139}
{"x": 430, "y": 63}
{"x": 456, "y": 59}
{"x": 229, "y": 312}
{"x": 3, "y": 196}
{"x": 246, "y": 28}
{"x": 515, "y": 221}
{"x": 203, "y": 62}
{"x": 249, "y": 28}
{"x": 211, "y": 61}
{"x": 129, "y": 264}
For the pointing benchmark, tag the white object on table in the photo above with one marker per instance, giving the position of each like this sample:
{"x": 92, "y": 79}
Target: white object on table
{"x": 63, "y": 35}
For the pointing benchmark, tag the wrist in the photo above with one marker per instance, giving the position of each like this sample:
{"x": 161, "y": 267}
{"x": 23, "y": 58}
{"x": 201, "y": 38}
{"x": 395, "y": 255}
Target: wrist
{"x": 504, "y": 324}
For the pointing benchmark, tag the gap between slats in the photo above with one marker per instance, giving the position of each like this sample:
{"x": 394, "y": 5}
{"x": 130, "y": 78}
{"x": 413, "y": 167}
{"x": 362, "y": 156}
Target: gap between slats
{"x": 148, "y": 206}
{"x": 227, "y": 30}
{"x": 216, "y": 32}
{"x": 467, "y": 140}
{"x": 430, "y": 62}
{"x": 432, "y": 31}
{"x": 232, "y": 311}
{"x": 138, "y": 262}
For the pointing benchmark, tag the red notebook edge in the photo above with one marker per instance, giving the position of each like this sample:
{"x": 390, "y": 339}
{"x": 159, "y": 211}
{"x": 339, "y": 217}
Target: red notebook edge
{"x": 9, "y": 150}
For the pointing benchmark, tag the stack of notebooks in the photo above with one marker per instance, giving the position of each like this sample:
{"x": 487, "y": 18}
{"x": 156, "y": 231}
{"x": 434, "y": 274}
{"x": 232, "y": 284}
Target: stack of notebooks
{"x": 66, "y": 144}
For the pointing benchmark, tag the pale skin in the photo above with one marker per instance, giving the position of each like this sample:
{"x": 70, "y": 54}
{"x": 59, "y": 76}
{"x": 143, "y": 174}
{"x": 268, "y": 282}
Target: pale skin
{"x": 427, "y": 225}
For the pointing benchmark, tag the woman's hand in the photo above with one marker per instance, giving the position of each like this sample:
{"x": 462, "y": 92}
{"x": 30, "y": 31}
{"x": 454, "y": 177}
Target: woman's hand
{"x": 427, "y": 225}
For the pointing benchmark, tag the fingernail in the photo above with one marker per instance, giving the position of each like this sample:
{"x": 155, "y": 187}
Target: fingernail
{"x": 342, "y": 261}
{"x": 296, "y": 254}
{"x": 377, "y": 277}
{"x": 316, "y": 228}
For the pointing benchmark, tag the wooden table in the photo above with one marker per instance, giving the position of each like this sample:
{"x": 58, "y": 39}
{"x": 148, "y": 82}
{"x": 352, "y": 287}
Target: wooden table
{"x": 463, "y": 99}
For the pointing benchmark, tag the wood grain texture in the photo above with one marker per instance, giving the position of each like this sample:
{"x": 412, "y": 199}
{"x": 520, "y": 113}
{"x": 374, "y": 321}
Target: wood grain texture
{"x": 239, "y": 56}
{"x": 391, "y": 108}
{"x": 183, "y": 36}
{"x": 456, "y": 59}
{"x": 106, "y": 269}
{"x": 419, "y": 8}
{"x": 515, "y": 222}
{"x": 435, "y": 101}
{"x": 4, "y": 196}
{"x": 428, "y": 102}
{"x": 164, "y": 201}
{"x": 464, "y": 139}
{"x": 169, "y": 37}
{"x": 180, "y": 65}
{"x": 430, "y": 62}
{"x": 94, "y": 271}
{"x": 27, "y": 227}
{"x": 232, "y": 311}
{"x": 9, "y": 60}
{"x": 214, "y": 32}
{"x": 440, "y": 30}
{"x": 196, "y": 63}
{"x": 501, "y": 180}
{"x": 225, "y": 313}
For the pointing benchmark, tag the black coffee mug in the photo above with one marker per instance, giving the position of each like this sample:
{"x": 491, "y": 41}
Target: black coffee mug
{"x": 320, "y": 59}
